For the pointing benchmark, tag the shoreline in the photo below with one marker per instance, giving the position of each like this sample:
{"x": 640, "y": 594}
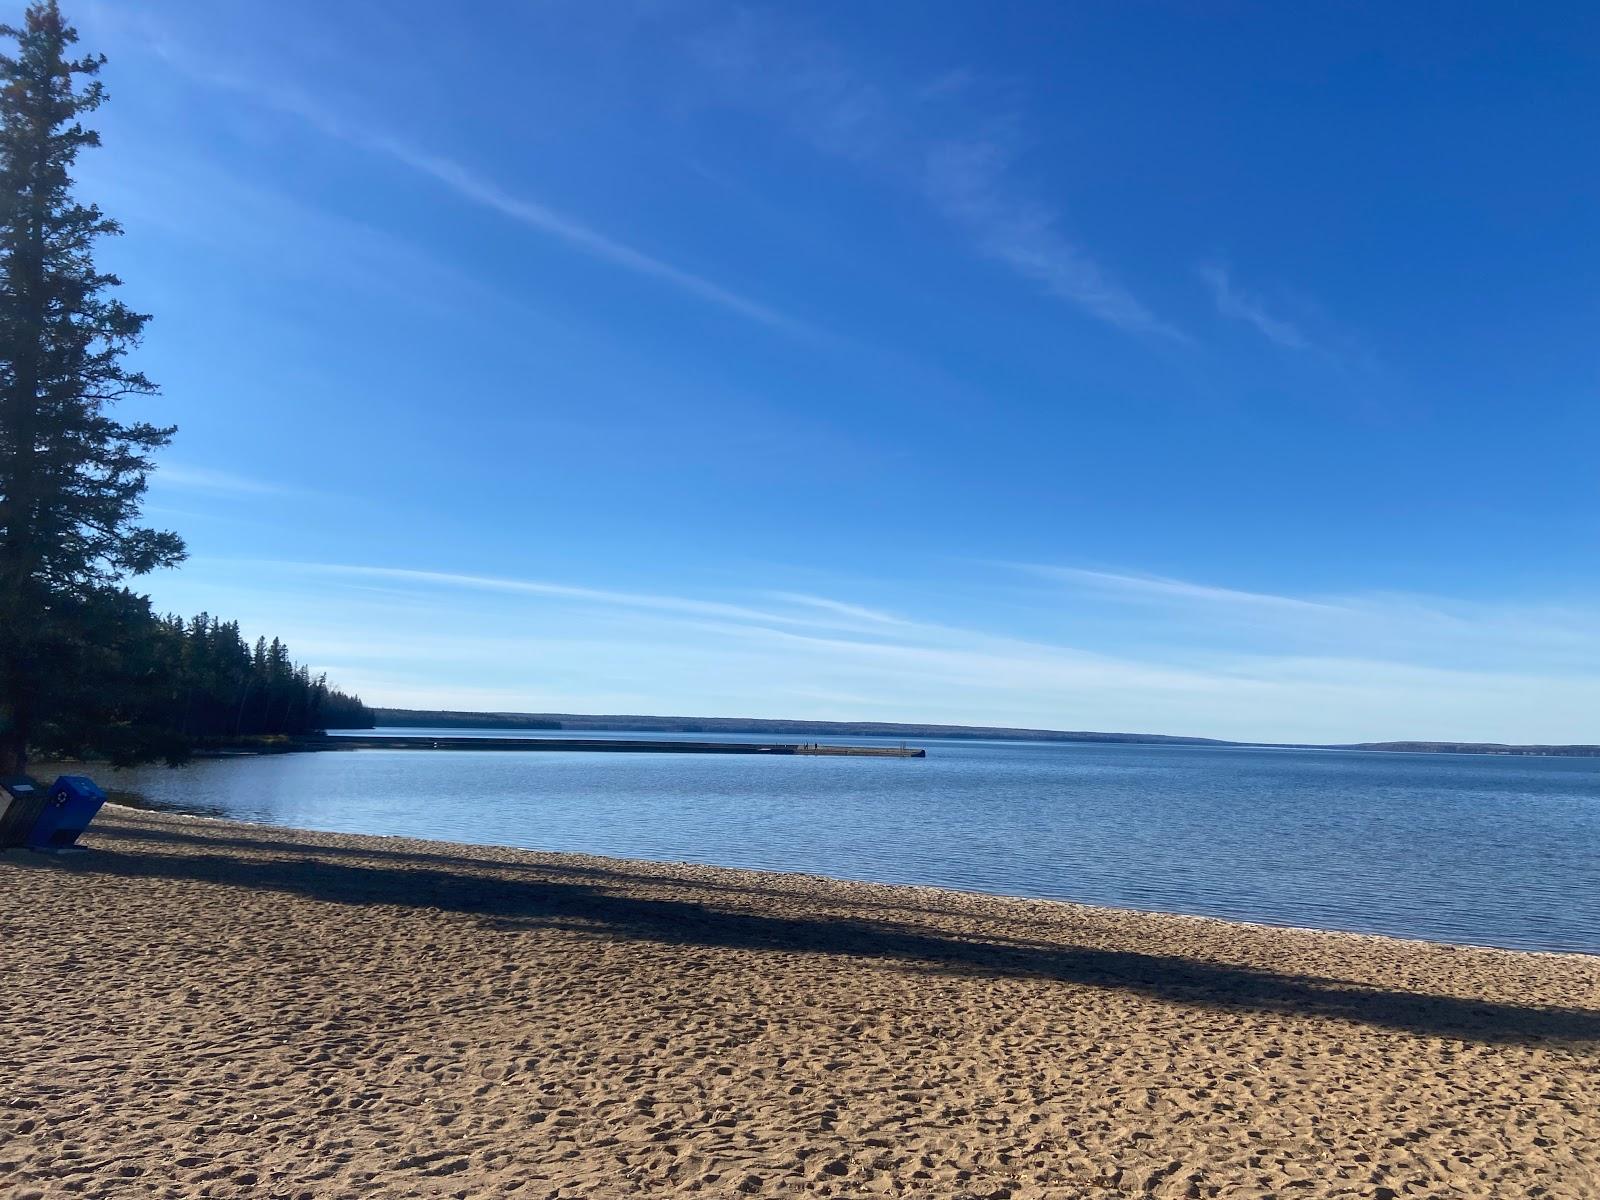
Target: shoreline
{"x": 269, "y": 744}
{"x": 235, "y": 1010}
{"x": 385, "y": 717}
{"x": 756, "y": 875}
{"x": 395, "y": 741}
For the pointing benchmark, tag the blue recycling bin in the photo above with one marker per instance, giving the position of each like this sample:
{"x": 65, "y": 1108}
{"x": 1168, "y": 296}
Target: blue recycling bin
{"x": 21, "y": 801}
{"x": 72, "y": 803}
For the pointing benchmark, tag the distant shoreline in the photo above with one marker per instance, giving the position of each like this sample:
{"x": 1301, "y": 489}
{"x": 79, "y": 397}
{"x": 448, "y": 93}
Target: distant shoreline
{"x": 403, "y": 718}
{"x": 389, "y": 741}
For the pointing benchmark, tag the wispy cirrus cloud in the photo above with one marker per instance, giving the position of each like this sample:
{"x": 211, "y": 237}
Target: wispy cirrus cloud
{"x": 467, "y": 184}
{"x": 967, "y": 181}
{"x": 218, "y": 482}
{"x": 837, "y": 612}
{"x": 932, "y": 138}
{"x": 1168, "y": 589}
{"x": 481, "y": 191}
{"x": 1238, "y": 305}
{"x": 1437, "y": 632}
{"x": 1252, "y": 665}
{"x": 840, "y": 607}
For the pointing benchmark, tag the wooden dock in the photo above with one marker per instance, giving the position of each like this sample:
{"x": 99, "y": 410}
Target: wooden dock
{"x": 602, "y": 745}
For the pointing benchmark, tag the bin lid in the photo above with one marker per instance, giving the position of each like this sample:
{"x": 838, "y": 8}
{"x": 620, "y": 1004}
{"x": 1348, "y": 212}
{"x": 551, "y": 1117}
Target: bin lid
{"x": 77, "y": 785}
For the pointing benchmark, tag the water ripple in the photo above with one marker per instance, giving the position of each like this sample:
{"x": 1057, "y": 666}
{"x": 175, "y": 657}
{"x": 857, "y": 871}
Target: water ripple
{"x": 1490, "y": 851}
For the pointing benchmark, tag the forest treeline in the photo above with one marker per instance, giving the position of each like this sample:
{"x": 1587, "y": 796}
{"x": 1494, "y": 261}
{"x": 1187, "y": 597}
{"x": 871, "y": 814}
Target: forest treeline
{"x": 219, "y": 685}
{"x": 153, "y": 686}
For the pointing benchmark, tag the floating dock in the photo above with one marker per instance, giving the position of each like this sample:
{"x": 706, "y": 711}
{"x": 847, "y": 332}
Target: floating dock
{"x": 604, "y": 745}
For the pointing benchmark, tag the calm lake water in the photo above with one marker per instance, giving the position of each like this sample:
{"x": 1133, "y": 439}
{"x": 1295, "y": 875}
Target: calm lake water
{"x": 1460, "y": 848}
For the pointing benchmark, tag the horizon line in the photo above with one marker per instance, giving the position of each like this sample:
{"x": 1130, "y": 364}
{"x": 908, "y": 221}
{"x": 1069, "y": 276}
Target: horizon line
{"x": 1078, "y": 734}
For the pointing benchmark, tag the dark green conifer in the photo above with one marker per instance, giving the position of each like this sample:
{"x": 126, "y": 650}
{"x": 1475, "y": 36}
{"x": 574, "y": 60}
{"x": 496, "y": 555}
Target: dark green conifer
{"x": 71, "y": 477}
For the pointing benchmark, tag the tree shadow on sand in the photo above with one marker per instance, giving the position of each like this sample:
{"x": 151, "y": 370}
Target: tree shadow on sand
{"x": 611, "y": 875}
{"x": 583, "y": 903}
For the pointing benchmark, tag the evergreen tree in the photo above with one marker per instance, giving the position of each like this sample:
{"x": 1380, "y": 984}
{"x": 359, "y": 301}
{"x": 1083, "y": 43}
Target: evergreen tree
{"x": 164, "y": 687}
{"x": 71, "y": 477}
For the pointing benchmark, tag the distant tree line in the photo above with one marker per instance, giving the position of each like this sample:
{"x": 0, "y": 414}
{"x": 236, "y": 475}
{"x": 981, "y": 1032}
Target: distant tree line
{"x": 409, "y": 718}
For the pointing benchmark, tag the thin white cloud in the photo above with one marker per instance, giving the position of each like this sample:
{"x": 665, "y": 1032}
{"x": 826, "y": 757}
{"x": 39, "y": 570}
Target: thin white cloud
{"x": 966, "y": 181}
{"x": 967, "y": 178}
{"x": 840, "y": 607}
{"x": 656, "y": 602}
{"x": 971, "y": 659}
{"x": 475, "y": 188}
{"x": 207, "y": 479}
{"x": 864, "y": 641}
{"x": 1200, "y": 660}
{"x": 236, "y": 219}
{"x": 465, "y": 183}
{"x": 1240, "y": 306}
{"x": 1178, "y": 589}
{"x": 1203, "y": 622}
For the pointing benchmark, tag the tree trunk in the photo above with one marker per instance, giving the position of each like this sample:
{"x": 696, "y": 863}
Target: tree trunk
{"x": 20, "y": 602}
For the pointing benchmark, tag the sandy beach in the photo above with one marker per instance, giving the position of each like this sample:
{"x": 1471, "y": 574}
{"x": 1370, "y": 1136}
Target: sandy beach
{"x": 199, "y": 1008}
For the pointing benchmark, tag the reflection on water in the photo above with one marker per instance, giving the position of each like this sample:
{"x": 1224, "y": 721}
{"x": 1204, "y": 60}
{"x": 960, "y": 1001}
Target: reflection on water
{"x": 1486, "y": 850}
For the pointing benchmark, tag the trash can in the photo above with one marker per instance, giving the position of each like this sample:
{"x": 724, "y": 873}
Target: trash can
{"x": 71, "y": 804}
{"x": 21, "y": 801}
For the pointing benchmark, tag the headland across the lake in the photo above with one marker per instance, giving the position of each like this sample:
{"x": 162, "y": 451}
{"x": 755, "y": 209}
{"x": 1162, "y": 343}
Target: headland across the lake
{"x": 441, "y": 741}
{"x": 590, "y": 723}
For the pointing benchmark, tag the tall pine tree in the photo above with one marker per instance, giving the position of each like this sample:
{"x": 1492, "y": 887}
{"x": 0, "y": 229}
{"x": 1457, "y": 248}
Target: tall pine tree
{"x": 71, "y": 477}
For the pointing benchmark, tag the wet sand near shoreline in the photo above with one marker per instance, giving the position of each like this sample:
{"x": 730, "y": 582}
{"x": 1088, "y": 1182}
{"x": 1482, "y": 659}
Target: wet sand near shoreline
{"x": 199, "y": 1008}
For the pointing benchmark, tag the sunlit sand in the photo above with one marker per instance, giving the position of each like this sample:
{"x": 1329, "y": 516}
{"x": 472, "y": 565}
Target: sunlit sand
{"x": 197, "y": 1008}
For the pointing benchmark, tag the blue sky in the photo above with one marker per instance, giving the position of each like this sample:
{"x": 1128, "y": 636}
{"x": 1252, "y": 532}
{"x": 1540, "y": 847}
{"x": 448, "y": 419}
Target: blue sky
{"x": 1225, "y": 370}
